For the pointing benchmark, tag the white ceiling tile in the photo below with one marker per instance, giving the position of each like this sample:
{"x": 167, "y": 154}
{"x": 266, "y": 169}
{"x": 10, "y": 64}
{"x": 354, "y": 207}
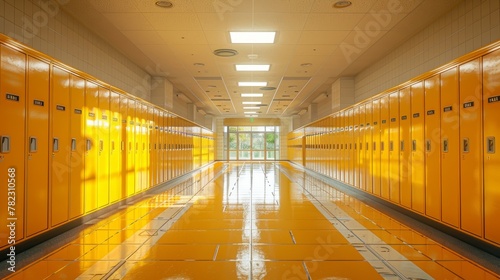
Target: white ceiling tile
{"x": 129, "y": 21}
{"x": 322, "y": 37}
{"x": 183, "y": 37}
{"x": 174, "y": 21}
{"x": 319, "y": 21}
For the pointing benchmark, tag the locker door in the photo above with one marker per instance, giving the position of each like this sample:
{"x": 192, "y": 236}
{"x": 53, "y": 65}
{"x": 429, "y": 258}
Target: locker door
{"x": 362, "y": 147}
{"x": 355, "y": 147}
{"x": 394, "y": 147}
{"x": 60, "y": 145}
{"x": 384, "y": 147}
{"x": 471, "y": 147}
{"x": 165, "y": 147}
{"x": 160, "y": 147}
{"x": 138, "y": 147}
{"x": 417, "y": 148}
{"x": 335, "y": 140}
{"x": 152, "y": 120}
{"x": 37, "y": 171}
{"x": 123, "y": 146}
{"x": 131, "y": 148}
{"x": 432, "y": 148}
{"x": 145, "y": 148}
{"x": 342, "y": 158}
{"x": 491, "y": 76}
{"x": 350, "y": 147}
{"x": 116, "y": 187}
{"x": 404, "y": 146}
{"x": 103, "y": 148}
{"x": 376, "y": 146}
{"x": 12, "y": 137}
{"x": 77, "y": 135}
{"x": 450, "y": 148}
{"x": 169, "y": 146}
{"x": 91, "y": 145}
{"x": 368, "y": 147}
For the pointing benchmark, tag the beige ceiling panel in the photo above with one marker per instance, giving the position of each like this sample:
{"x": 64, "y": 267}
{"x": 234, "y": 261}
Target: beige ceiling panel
{"x": 322, "y": 37}
{"x": 129, "y": 21}
{"x": 283, "y": 6}
{"x": 322, "y": 21}
{"x": 182, "y": 6}
{"x": 231, "y": 22}
{"x": 277, "y": 21}
{"x": 315, "y": 49}
{"x": 183, "y": 37}
{"x": 114, "y": 6}
{"x": 326, "y": 6}
{"x": 174, "y": 21}
{"x": 143, "y": 37}
{"x": 374, "y": 22}
{"x": 394, "y": 7}
{"x": 222, "y": 7}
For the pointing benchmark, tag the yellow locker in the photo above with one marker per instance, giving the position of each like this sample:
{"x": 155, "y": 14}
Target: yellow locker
{"x": 491, "y": 77}
{"x": 376, "y": 146}
{"x": 362, "y": 147}
{"x": 394, "y": 193}
{"x": 138, "y": 147}
{"x": 342, "y": 154}
{"x": 37, "y": 170}
{"x": 60, "y": 144}
{"x": 131, "y": 148}
{"x": 123, "y": 145}
{"x": 153, "y": 143}
{"x": 12, "y": 137}
{"x": 335, "y": 141}
{"x": 384, "y": 147}
{"x": 404, "y": 146}
{"x": 159, "y": 154}
{"x": 355, "y": 147}
{"x": 91, "y": 145}
{"x": 450, "y": 147}
{"x": 169, "y": 141}
{"x": 77, "y": 154}
{"x": 368, "y": 147}
{"x": 103, "y": 148}
{"x": 471, "y": 147}
{"x": 432, "y": 148}
{"x": 117, "y": 188}
{"x": 350, "y": 148}
{"x": 417, "y": 148}
{"x": 165, "y": 146}
{"x": 145, "y": 148}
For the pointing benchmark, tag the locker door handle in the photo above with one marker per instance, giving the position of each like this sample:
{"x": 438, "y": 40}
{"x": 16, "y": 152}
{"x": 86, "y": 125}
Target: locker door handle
{"x": 414, "y": 145}
{"x": 374, "y": 146}
{"x": 367, "y": 147}
{"x": 73, "y": 144}
{"x": 88, "y": 145}
{"x": 112, "y": 145}
{"x": 465, "y": 145}
{"x": 382, "y": 146}
{"x": 402, "y": 145}
{"x": 55, "y": 145}
{"x": 445, "y": 145}
{"x": 33, "y": 144}
{"x": 391, "y": 146}
{"x": 101, "y": 145}
{"x": 490, "y": 144}
{"x": 5, "y": 147}
{"x": 428, "y": 145}
{"x": 123, "y": 145}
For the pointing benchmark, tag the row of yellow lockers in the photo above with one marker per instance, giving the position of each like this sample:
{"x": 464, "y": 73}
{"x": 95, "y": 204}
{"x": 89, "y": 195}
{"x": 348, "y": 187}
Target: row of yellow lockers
{"x": 428, "y": 145}
{"x": 74, "y": 145}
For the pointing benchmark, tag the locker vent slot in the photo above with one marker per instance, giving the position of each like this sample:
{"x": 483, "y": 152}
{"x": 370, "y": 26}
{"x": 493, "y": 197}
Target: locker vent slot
{"x": 465, "y": 145}
{"x": 445, "y": 146}
{"x": 55, "y": 145}
{"x": 5, "y": 148}
{"x": 73, "y": 144}
{"x": 428, "y": 145}
{"x": 33, "y": 145}
{"x": 414, "y": 145}
{"x": 490, "y": 144}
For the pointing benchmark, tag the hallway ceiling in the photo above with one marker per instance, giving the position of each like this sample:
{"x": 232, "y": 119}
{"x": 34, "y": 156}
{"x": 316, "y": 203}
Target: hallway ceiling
{"x": 315, "y": 44}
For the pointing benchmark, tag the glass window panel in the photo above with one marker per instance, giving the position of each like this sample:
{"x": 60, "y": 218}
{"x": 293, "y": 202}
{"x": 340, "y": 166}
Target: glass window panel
{"x": 233, "y": 141}
{"x": 258, "y": 155}
{"x": 269, "y": 128}
{"x": 270, "y": 155}
{"x": 233, "y": 128}
{"x": 244, "y": 155}
{"x": 270, "y": 141}
{"x": 233, "y": 155}
{"x": 259, "y": 128}
{"x": 244, "y": 141}
{"x": 277, "y": 156}
{"x": 244, "y": 128}
{"x": 258, "y": 141}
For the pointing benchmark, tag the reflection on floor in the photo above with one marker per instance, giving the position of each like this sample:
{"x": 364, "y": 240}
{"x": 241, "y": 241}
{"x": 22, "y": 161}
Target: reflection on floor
{"x": 255, "y": 221}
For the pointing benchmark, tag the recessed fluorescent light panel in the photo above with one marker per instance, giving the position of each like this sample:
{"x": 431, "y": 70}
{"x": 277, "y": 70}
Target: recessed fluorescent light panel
{"x": 252, "y": 84}
{"x": 252, "y": 37}
{"x": 252, "y": 95}
{"x": 251, "y": 108}
{"x": 250, "y": 112}
{"x": 251, "y": 116}
{"x": 250, "y": 102}
{"x": 252, "y": 67}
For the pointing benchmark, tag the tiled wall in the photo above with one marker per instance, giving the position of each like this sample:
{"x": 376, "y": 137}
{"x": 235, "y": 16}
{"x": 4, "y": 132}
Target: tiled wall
{"x": 469, "y": 26}
{"x": 45, "y": 27}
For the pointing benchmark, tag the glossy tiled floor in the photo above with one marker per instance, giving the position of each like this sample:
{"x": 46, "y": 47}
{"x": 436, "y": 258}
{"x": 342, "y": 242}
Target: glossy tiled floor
{"x": 255, "y": 221}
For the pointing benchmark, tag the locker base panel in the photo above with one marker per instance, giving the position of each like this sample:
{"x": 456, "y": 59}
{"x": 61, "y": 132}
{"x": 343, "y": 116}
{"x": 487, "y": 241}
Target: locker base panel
{"x": 257, "y": 221}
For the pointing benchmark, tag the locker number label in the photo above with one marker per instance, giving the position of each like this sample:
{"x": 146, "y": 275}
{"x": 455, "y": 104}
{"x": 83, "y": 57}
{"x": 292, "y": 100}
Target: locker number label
{"x": 60, "y": 107}
{"x": 448, "y": 109}
{"x": 78, "y": 111}
{"x": 469, "y": 104}
{"x": 494, "y": 99}
{"x": 38, "y": 103}
{"x": 12, "y": 97}
{"x": 430, "y": 112}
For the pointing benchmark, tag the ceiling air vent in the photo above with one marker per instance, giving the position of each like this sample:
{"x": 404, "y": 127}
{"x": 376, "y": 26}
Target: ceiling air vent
{"x": 267, "y": 88}
{"x": 225, "y": 52}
